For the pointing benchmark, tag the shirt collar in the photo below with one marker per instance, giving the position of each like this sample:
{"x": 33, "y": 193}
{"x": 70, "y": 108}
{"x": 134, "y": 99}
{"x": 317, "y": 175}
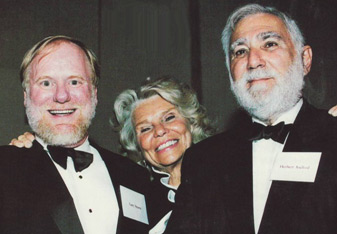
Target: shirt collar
{"x": 288, "y": 117}
{"x": 165, "y": 179}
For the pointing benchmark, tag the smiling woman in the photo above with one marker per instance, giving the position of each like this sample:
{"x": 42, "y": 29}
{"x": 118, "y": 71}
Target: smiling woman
{"x": 162, "y": 133}
{"x": 159, "y": 122}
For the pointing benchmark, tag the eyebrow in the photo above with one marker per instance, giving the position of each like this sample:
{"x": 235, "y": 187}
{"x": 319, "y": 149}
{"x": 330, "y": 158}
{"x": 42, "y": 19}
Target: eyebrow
{"x": 41, "y": 78}
{"x": 77, "y": 76}
{"x": 70, "y": 77}
{"x": 265, "y": 35}
{"x": 239, "y": 41}
{"x": 262, "y": 36}
{"x": 162, "y": 113}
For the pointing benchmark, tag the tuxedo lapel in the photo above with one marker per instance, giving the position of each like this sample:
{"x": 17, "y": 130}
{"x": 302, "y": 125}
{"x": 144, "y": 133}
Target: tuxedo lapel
{"x": 115, "y": 178}
{"x": 66, "y": 218}
{"x": 303, "y": 134}
{"x": 55, "y": 195}
{"x": 114, "y": 169}
{"x": 284, "y": 198}
{"x": 123, "y": 172}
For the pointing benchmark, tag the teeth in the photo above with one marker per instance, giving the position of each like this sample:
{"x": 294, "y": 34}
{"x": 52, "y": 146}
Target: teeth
{"x": 167, "y": 144}
{"x": 61, "y": 112}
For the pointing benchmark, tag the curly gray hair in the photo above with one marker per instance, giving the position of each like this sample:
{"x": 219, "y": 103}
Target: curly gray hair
{"x": 179, "y": 94}
{"x": 252, "y": 9}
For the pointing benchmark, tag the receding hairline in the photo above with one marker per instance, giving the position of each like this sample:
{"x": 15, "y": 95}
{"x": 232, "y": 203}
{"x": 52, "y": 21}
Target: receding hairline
{"x": 52, "y": 47}
{"x": 277, "y": 18}
{"x": 270, "y": 33}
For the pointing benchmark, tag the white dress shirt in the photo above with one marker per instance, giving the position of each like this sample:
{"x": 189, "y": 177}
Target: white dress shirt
{"x": 162, "y": 224}
{"x": 264, "y": 154}
{"x": 92, "y": 192}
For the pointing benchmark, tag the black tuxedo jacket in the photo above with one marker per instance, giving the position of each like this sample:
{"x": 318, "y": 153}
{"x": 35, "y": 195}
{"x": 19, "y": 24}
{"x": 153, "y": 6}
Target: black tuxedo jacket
{"x": 34, "y": 198}
{"x": 216, "y": 194}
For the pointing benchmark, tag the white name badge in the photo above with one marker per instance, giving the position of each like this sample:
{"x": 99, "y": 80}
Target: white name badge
{"x": 133, "y": 205}
{"x": 296, "y": 166}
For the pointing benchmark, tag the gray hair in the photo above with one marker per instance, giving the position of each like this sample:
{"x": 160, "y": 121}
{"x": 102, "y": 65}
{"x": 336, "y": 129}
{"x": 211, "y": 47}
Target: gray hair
{"x": 252, "y": 9}
{"x": 179, "y": 94}
{"x": 51, "y": 40}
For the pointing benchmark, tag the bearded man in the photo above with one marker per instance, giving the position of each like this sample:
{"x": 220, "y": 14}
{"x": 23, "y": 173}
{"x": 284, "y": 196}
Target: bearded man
{"x": 65, "y": 183}
{"x": 275, "y": 171}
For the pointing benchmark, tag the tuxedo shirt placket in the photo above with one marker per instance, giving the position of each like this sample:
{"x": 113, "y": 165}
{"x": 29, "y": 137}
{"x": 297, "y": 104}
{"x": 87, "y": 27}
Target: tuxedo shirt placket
{"x": 264, "y": 153}
{"x": 93, "y": 193}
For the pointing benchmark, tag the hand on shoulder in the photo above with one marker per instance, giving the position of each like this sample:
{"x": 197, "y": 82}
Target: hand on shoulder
{"x": 25, "y": 140}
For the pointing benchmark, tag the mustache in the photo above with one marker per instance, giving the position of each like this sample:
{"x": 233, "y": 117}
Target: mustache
{"x": 258, "y": 74}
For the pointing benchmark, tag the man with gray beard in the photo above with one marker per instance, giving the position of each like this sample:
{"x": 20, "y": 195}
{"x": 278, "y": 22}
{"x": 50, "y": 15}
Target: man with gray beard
{"x": 65, "y": 183}
{"x": 275, "y": 171}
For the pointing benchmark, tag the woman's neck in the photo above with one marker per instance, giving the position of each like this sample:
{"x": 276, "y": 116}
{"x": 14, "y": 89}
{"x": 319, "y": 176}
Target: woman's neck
{"x": 175, "y": 175}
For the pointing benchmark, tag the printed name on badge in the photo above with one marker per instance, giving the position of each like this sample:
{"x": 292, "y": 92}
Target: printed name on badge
{"x": 296, "y": 166}
{"x": 133, "y": 205}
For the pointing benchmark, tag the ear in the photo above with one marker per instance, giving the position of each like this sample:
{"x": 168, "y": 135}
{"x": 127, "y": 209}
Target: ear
{"x": 25, "y": 98}
{"x": 307, "y": 59}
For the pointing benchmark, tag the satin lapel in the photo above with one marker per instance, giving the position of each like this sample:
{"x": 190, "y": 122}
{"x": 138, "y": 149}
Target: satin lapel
{"x": 285, "y": 196}
{"x": 66, "y": 218}
{"x": 238, "y": 186}
{"x": 115, "y": 178}
{"x": 117, "y": 174}
{"x": 113, "y": 172}
{"x": 55, "y": 195}
{"x": 304, "y": 131}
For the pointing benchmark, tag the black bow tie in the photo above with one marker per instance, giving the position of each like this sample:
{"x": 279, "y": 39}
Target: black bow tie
{"x": 81, "y": 159}
{"x": 277, "y": 133}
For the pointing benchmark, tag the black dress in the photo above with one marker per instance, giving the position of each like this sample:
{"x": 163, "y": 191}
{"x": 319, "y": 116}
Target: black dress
{"x": 160, "y": 204}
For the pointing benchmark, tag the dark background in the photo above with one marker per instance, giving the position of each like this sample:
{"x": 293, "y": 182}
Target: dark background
{"x": 136, "y": 39}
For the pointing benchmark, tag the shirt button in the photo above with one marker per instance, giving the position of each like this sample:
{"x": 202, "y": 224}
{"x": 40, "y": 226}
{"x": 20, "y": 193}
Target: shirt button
{"x": 90, "y": 211}
{"x": 80, "y": 177}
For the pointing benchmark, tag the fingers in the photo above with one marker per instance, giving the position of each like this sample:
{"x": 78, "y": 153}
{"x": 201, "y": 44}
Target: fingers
{"x": 24, "y": 140}
{"x": 29, "y": 136}
{"x": 17, "y": 143}
{"x": 333, "y": 111}
{"x": 21, "y": 138}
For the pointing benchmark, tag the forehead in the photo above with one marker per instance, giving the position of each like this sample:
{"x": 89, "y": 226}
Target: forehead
{"x": 60, "y": 49}
{"x": 61, "y": 57}
{"x": 252, "y": 25}
{"x": 151, "y": 108}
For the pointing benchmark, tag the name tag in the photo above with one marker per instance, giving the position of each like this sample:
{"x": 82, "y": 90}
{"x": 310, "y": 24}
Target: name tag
{"x": 296, "y": 166}
{"x": 133, "y": 205}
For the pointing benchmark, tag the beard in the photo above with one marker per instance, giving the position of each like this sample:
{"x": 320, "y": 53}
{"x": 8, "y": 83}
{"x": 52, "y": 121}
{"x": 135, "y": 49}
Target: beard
{"x": 265, "y": 104}
{"x": 49, "y": 133}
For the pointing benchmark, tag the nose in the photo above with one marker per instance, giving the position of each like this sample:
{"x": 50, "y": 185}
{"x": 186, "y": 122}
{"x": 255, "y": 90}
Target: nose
{"x": 255, "y": 59}
{"x": 61, "y": 94}
{"x": 160, "y": 130}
